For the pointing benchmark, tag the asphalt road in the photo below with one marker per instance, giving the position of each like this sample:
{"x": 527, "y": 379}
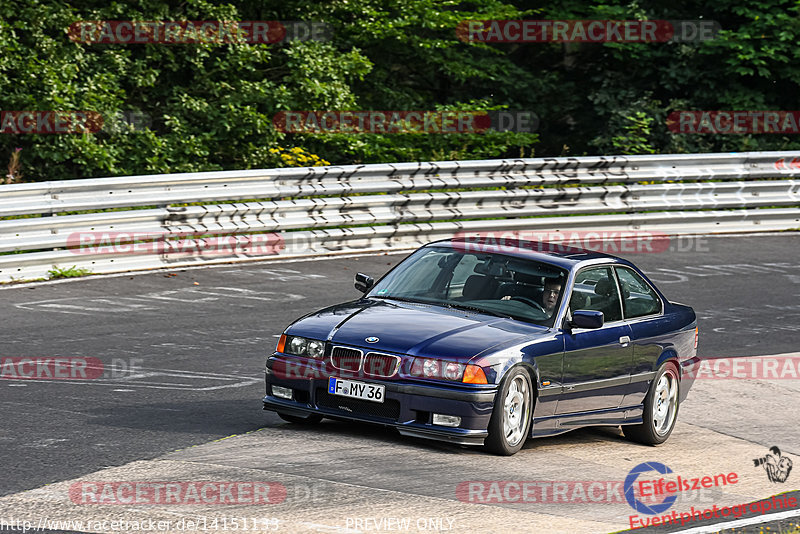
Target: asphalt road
{"x": 183, "y": 351}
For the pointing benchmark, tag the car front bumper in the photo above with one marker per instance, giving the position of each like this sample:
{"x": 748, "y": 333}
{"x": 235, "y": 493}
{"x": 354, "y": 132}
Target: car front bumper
{"x": 409, "y": 407}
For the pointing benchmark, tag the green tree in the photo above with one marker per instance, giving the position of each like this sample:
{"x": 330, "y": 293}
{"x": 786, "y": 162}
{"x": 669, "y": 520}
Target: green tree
{"x": 211, "y": 106}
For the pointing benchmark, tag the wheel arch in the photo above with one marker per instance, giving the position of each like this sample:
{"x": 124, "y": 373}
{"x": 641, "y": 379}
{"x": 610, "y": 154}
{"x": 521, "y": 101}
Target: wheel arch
{"x": 671, "y": 357}
{"x": 533, "y": 373}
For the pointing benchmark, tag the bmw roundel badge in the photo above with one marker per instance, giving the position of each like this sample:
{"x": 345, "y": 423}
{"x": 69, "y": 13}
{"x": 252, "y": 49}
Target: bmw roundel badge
{"x": 372, "y": 339}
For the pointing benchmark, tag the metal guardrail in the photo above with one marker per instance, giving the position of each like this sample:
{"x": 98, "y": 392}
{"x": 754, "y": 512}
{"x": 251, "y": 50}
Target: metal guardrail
{"x": 261, "y": 214}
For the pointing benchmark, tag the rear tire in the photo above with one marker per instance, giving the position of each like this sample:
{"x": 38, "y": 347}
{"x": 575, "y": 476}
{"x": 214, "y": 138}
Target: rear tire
{"x": 511, "y": 416}
{"x": 660, "y": 409}
{"x": 310, "y": 419}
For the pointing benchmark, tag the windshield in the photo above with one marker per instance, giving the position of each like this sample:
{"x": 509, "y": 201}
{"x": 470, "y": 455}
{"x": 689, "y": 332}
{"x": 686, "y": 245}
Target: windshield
{"x": 494, "y": 284}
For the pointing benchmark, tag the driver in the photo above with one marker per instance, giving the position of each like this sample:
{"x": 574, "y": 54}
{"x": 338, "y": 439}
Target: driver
{"x": 552, "y": 289}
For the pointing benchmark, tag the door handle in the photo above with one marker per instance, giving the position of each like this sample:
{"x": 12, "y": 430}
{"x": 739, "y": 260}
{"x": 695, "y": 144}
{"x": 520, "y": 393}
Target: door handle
{"x": 624, "y": 340}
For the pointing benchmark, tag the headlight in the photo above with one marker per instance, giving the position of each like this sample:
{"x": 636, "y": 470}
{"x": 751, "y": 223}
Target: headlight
{"x": 453, "y": 371}
{"x": 430, "y": 368}
{"x": 316, "y": 349}
{"x": 442, "y": 370}
{"x": 300, "y": 346}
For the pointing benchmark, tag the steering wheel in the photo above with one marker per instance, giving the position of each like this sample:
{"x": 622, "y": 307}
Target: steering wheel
{"x": 529, "y": 302}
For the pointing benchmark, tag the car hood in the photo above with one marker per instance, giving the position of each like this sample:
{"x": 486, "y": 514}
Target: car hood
{"x": 413, "y": 329}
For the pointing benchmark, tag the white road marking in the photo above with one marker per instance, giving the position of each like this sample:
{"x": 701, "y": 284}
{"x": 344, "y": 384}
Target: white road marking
{"x": 138, "y": 381}
{"x": 239, "y": 292}
{"x": 281, "y": 275}
{"x": 191, "y": 295}
{"x": 272, "y": 261}
{"x": 84, "y": 306}
{"x": 278, "y": 260}
{"x": 728, "y": 269}
{"x": 166, "y": 295}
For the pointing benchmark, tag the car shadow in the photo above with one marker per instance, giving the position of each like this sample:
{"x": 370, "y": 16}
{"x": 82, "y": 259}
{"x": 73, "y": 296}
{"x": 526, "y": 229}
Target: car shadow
{"x": 357, "y": 431}
{"x": 198, "y": 422}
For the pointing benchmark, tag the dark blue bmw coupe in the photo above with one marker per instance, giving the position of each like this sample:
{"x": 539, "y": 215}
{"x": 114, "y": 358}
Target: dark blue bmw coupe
{"x": 477, "y": 343}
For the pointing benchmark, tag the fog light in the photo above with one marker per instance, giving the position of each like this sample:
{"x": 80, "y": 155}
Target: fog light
{"x": 446, "y": 420}
{"x": 283, "y": 393}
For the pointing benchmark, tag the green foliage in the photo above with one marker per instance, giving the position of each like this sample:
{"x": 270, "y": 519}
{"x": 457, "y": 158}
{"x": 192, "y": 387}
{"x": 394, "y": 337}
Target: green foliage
{"x": 296, "y": 157}
{"x": 635, "y": 137}
{"x": 69, "y": 272}
{"x": 211, "y": 106}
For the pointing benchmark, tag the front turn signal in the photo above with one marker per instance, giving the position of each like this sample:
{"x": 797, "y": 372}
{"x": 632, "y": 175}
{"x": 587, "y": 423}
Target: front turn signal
{"x": 281, "y": 342}
{"x": 473, "y": 374}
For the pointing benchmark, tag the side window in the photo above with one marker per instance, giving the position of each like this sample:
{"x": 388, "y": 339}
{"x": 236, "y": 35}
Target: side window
{"x": 596, "y": 289}
{"x": 638, "y": 297}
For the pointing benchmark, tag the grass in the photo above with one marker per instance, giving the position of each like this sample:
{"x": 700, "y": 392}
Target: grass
{"x": 68, "y": 272}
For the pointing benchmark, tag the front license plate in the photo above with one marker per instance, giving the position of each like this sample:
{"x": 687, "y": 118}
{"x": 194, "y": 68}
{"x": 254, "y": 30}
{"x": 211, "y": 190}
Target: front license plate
{"x": 355, "y": 390}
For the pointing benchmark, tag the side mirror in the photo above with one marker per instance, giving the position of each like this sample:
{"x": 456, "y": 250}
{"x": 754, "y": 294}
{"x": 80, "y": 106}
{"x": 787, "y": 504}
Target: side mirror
{"x": 587, "y": 319}
{"x": 363, "y": 282}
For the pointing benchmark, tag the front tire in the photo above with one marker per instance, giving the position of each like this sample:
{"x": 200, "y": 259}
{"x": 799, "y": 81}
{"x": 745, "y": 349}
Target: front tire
{"x": 310, "y": 419}
{"x": 511, "y": 416}
{"x": 660, "y": 409}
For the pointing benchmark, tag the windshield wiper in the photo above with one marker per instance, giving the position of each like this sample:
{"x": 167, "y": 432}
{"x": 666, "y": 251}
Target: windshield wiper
{"x": 444, "y": 304}
{"x": 401, "y": 299}
{"x": 477, "y": 309}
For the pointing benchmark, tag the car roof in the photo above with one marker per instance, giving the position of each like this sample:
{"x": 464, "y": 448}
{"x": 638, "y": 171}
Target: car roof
{"x": 554, "y": 253}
